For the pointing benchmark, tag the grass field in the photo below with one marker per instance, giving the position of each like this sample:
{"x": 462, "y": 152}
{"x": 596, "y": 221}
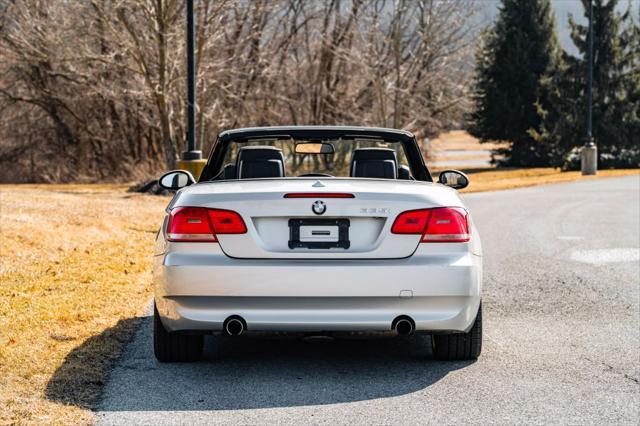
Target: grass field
{"x": 75, "y": 275}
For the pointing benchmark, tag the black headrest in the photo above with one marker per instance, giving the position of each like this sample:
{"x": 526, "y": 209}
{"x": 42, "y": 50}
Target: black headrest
{"x": 373, "y": 154}
{"x": 374, "y": 163}
{"x": 250, "y": 153}
{"x": 260, "y": 162}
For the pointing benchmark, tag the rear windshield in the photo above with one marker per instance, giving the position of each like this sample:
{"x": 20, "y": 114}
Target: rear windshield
{"x": 272, "y": 158}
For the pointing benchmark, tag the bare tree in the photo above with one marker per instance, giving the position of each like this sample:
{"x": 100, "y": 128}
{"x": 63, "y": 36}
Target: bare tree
{"x": 95, "y": 90}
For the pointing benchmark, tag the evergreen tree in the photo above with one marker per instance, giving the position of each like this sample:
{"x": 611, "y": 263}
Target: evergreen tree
{"x": 517, "y": 53}
{"x": 616, "y": 92}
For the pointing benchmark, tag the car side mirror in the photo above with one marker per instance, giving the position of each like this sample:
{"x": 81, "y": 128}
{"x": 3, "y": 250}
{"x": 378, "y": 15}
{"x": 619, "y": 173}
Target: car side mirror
{"x": 454, "y": 179}
{"x": 176, "y": 179}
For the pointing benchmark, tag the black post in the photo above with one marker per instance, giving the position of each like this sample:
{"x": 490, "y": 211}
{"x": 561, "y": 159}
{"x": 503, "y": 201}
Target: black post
{"x": 589, "y": 153}
{"x": 590, "y": 76}
{"x": 191, "y": 153}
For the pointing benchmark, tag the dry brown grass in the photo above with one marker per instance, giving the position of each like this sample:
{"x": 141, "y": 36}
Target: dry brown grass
{"x": 460, "y": 140}
{"x": 74, "y": 276}
{"x": 499, "y": 179}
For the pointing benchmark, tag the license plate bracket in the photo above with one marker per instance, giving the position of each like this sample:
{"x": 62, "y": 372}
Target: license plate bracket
{"x": 341, "y": 242}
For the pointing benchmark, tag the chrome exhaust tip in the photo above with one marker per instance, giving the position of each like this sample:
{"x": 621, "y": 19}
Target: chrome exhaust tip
{"x": 404, "y": 326}
{"x": 234, "y": 326}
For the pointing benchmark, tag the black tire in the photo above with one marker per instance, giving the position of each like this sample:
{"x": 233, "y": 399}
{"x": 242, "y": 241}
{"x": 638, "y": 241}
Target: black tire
{"x": 174, "y": 347}
{"x": 459, "y": 346}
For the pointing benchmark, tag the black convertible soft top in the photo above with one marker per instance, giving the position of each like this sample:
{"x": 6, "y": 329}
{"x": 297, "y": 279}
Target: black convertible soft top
{"x": 414, "y": 155}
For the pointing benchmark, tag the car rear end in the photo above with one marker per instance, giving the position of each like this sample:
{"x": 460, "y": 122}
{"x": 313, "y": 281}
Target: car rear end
{"x": 317, "y": 255}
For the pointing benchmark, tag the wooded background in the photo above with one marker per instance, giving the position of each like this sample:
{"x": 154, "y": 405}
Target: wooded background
{"x": 95, "y": 90}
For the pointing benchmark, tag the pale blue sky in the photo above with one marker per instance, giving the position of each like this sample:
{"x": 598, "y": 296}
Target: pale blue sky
{"x": 562, "y": 9}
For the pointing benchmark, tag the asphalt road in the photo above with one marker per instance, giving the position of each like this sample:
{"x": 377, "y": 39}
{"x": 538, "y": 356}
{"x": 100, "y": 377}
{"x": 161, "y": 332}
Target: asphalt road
{"x": 561, "y": 343}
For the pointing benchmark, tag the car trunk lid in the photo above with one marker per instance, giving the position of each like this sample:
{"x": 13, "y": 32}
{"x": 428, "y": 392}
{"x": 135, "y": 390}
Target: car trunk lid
{"x": 318, "y": 218}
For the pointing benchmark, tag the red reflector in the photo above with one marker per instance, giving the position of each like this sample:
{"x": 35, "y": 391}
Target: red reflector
{"x": 319, "y": 195}
{"x": 199, "y": 224}
{"x": 441, "y": 225}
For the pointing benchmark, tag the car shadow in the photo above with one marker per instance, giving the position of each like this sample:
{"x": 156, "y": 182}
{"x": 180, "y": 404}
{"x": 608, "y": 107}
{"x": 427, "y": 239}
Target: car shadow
{"x": 260, "y": 371}
{"x": 80, "y": 379}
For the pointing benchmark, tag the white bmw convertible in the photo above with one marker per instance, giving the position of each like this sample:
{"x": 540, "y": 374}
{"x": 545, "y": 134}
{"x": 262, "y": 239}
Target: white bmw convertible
{"x": 316, "y": 230}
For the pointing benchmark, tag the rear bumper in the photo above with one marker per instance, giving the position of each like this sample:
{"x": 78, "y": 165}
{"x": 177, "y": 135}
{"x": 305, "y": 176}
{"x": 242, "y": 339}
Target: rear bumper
{"x": 440, "y": 292}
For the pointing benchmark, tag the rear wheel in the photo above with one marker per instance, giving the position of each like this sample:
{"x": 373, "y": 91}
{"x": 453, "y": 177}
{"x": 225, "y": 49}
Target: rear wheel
{"x": 459, "y": 346}
{"x": 174, "y": 347}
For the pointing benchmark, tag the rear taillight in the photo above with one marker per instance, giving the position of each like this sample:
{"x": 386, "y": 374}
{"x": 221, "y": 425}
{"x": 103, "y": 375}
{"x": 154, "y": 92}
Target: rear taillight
{"x": 447, "y": 225}
{"x": 199, "y": 224}
{"x": 411, "y": 222}
{"x": 439, "y": 225}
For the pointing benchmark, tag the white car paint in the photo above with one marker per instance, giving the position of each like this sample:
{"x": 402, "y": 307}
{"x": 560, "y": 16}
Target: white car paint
{"x": 257, "y": 276}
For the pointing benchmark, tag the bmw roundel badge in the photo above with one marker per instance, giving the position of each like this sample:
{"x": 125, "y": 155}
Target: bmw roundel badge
{"x": 319, "y": 207}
